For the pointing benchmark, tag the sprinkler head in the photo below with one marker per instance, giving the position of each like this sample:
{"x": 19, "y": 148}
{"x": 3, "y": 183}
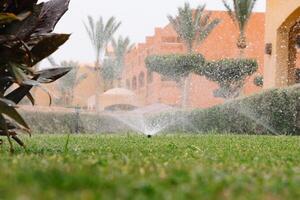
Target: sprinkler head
{"x": 149, "y": 136}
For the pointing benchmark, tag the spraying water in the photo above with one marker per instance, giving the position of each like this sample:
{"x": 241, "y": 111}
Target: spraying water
{"x": 140, "y": 121}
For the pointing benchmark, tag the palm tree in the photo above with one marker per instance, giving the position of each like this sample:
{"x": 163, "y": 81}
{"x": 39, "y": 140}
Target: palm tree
{"x": 240, "y": 14}
{"x": 113, "y": 66}
{"x": 192, "y": 26}
{"x": 100, "y": 34}
{"x": 121, "y": 47}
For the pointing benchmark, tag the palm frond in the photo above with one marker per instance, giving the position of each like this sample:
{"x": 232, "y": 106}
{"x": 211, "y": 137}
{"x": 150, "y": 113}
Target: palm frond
{"x": 241, "y": 12}
{"x": 191, "y": 25}
{"x": 208, "y": 29}
{"x": 101, "y": 33}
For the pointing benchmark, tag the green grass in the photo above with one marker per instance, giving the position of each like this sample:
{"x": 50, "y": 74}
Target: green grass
{"x": 164, "y": 167}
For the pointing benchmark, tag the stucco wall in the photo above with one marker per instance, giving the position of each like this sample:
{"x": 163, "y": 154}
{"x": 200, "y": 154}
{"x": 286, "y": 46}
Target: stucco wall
{"x": 221, "y": 43}
{"x": 280, "y": 16}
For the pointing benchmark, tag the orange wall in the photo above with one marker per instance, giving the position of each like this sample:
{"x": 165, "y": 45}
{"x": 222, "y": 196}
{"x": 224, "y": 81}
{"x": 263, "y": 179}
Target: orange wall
{"x": 221, "y": 43}
{"x": 84, "y": 90}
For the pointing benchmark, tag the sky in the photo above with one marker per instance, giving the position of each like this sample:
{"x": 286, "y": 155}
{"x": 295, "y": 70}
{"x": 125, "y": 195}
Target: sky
{"x": 138, "y": 17}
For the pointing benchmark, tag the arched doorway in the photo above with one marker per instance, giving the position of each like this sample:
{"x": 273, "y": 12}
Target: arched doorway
{"x": 294, "y": 54}
{"x": 288, "y": 51}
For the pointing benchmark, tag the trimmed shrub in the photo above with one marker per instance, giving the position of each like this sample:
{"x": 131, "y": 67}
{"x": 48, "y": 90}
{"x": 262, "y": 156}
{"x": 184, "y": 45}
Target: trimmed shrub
{"x": 275, "y": 111}
{"x": 175, "y": 66}
{"x": 230, "y": 74}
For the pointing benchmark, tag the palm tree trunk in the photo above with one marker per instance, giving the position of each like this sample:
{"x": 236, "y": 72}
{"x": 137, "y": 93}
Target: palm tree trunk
{"x": 242, "y": 44}
{"x": 97, "y": 85}
{"x": 185, "y": 83}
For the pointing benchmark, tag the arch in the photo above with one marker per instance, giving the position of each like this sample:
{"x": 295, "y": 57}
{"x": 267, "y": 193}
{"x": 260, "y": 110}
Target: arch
{"x": 119, "y": 99}
{"x": 134, "y": 83}
{"x": 141, "y": 79}
{"x": 286, "y": 50}
{"x": 128, "y": 84}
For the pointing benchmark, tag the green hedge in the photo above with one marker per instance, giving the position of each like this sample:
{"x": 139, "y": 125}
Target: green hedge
{"x": 275, "y": 111}
{"x": 60, "y": 122}
{"x": 230, "y": 74}
{"x": 174, "y": 66}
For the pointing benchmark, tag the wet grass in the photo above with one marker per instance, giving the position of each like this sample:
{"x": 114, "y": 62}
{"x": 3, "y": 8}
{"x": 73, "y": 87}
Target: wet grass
{"x": 164, "y": 167}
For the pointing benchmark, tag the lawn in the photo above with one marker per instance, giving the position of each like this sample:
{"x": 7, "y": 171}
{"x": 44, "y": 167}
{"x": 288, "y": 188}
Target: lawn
{"x": 163, "y": 167}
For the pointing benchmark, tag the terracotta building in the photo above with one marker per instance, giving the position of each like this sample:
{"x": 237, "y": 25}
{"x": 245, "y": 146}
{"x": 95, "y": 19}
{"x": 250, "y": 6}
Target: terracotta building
{"x": 221, "y": 43}
{"x": 273, "y": 40}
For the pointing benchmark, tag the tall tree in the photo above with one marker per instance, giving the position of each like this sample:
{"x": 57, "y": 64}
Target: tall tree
{"x": 240, "y": 13}
{"x": 113, "y": 65}
{"x": 121, "y": 46}
{"x": 100, "y": 34}
{"x": 192, "y": 26}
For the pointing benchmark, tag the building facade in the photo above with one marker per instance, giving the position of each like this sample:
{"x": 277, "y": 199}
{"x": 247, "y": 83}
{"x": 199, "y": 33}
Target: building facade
{"x": 221, "y": 43}
{"x": 273, "y": 40}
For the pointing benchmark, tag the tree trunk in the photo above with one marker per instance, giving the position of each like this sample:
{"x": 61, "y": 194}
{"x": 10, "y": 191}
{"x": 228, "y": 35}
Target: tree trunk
{"x": 97, "y": 85}
{"x": 242, "y": 44}
{"x": 186, "y": 82}
{"x": 185, "y": 91}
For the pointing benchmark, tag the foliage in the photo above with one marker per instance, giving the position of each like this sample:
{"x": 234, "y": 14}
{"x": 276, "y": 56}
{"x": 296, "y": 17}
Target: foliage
{"x": 100, "y": 34}
{"x": 121, "y": 46}
{"x": 297, "y": 75}
{"x": 272, "y": 112}
{"x": 113, "y": 65}
{"x": 193, "y": 25}
{"x": 66, "y": 122}
{"x": 163, "y": 167}
{"x": 230, "y": 74}
{"x": 240, "y": 14}
{"x": 259, "y": 81}
{"x": 110, "y": 69}
{"x": 25, "y": 40}
{"x": 174, "y": 66}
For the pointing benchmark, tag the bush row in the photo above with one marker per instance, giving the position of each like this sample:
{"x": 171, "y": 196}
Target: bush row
{"x": 68, "y": 122}
{"x": 275, "y": 111}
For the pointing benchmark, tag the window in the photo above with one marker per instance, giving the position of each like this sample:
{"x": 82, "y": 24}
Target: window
{"x": 142, "y": 79}
{"x": 128, "y": 84}
{"x": 134, "y": 83}
{"x": 149, "y": 76}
